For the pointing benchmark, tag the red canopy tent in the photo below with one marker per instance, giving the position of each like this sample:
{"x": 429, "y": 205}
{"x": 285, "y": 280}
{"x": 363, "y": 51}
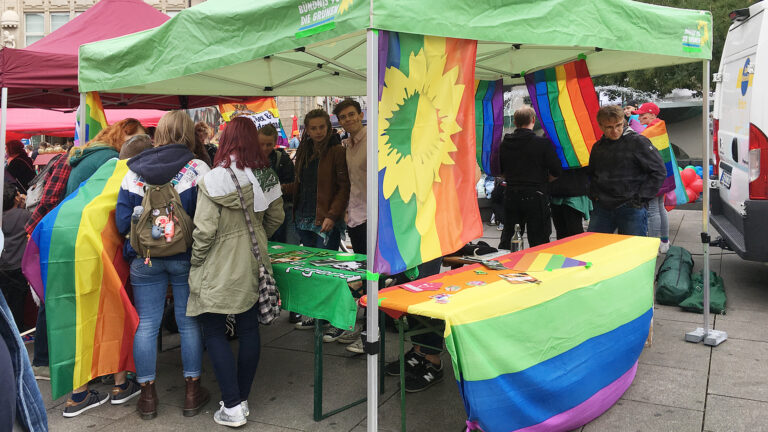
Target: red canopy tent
{"x": 25, "y": 122}
{"x": 44, "y": 74}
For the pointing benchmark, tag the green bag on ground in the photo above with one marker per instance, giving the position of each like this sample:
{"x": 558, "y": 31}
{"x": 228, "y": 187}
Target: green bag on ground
{"x": 673, "y": 280}
{"x": 717, "y": 298}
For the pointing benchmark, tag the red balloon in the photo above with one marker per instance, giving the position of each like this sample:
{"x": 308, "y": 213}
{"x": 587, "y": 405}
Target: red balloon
{"x": 670, "y": 199}
{"x": 697, "y": 185}
{"x": 691, "y": 194}
{"x": 688, "y": 175}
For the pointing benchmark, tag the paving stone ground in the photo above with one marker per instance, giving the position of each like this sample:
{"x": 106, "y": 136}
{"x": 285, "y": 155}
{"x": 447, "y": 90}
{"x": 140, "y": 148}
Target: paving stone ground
{"x": 679, "y": 386}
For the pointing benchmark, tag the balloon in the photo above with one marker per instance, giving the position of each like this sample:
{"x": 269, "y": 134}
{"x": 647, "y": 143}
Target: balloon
{"x": 692, "y": 196}
{"x": 688, "y": 176}
{"x": 690, "y": 166}
{"x": 699, "y": 171}
{"x": 697, "y": 185}
{"x": 670, "y": 199}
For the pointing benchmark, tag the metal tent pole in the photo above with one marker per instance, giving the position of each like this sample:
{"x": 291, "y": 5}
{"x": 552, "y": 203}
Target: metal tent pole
{"x": 3, "y": 126}
{"x": 372, "y": 337}
{"x": 709, "y": 336}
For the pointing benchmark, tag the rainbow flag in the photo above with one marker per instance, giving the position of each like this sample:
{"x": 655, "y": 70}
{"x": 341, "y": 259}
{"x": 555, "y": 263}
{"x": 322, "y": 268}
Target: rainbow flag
{"x": 540, "y": 261}
{"x": 489, "y": 124}
{"x": 550, "y": 356}
{"x": 427, "y": 198}
{"x": 95, "y": 119}
{"x": 262, "y": 111}
{"x": 657, "y": 133}
{"x": 74, "y": 261}
{"x": 566, "y": 103}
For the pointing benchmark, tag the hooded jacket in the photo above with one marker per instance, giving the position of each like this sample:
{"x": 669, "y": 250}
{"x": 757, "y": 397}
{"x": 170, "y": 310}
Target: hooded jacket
{"x": 628, "y": 170}
{"x": 85, "y": 163}
{"x": 157, "y": 166}
{"x": 224, "y": 277}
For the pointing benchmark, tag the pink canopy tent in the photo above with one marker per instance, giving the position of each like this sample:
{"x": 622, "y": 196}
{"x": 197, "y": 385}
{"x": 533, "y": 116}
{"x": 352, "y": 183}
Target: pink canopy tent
{"x": 25, "y": 122}
{"x": 44, "y": 75}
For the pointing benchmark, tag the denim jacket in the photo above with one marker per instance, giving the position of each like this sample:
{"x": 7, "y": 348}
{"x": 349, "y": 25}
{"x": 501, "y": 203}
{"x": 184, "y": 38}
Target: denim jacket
{"x": 30, "y": 410}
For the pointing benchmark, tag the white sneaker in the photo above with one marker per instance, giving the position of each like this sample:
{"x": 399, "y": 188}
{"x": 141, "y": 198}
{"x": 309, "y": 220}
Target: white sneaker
{"x": 664, "y": 247}
{"x": 356, "y": 347}
{"x": 246, "y": 410}
{"x": 230, "y": 419}
{"x": 350, "y": 336}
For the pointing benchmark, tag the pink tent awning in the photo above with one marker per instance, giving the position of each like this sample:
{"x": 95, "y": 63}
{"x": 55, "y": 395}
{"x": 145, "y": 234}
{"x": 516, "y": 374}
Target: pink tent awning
{"x": 23, "y": 123}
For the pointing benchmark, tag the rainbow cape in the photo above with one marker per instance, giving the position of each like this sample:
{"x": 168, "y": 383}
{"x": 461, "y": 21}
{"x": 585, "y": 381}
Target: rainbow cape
{"x": 74, "y": 261}
{"x": 566, "y": 104}
{"x": 262, "y": 110}
{"x": 427, "y": 198}
{"x": 657, "y": 133}
{"x": 489, "y": 124}
{"x": 550, "y": 356}
{"x": 95, "y": 119}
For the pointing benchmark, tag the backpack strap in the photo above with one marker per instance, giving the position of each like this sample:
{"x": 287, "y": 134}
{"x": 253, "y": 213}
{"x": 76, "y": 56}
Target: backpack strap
{"x": 246, "y": 213}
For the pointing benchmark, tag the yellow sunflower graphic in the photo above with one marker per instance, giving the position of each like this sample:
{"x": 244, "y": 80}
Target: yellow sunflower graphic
{"x": 345, "y": 4}
{"x": 417, "y": 116}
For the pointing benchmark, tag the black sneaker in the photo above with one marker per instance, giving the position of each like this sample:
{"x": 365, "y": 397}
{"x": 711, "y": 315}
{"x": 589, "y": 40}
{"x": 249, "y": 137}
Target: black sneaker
{"x": 412, "y": 359}
{"x": 423, "y": 376}
{"x": 92, "y": 400}
{"x": 120, "y": 396}
{"x": 293, "y": 317}
{"x": 306, "y": 323}
{"x": 332, "y": 334}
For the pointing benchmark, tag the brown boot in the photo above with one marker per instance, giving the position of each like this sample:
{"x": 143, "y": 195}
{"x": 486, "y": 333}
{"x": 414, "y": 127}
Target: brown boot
{"x": 196, "y": 397}
{"x": 147, "y": 404}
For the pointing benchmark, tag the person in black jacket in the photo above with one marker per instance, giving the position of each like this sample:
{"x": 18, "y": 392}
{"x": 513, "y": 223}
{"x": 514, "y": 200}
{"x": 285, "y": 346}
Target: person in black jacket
{"x": 626, "y": 171}
{"x": 569, "y": 202}
{"x": 528, "y": 163}
{"x": 283, "y": 166}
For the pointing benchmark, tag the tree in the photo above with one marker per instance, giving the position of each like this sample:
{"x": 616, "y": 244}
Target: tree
{"x": 661, "y": 81}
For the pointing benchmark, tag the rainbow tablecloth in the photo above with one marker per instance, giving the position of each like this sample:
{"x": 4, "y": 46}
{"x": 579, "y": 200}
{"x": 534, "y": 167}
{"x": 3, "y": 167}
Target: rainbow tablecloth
{"x": 550, "y": 356}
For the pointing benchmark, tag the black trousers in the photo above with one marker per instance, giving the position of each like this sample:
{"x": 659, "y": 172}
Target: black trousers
{"x": 358, "y": 237}
{"x": 14, "y": 287}
{"x": 567, "y": 221}
{"x": 530, "y": 209}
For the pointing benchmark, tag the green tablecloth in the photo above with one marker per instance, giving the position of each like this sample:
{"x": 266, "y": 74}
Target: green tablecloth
{"x": 314, "y": 282}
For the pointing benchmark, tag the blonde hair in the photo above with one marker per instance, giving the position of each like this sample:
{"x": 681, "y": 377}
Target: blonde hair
{"x": 111, "y": 136}
{"x": 175, "y": 127}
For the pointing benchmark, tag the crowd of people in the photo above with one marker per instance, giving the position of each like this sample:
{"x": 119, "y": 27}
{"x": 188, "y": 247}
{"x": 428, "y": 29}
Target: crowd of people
{"x": 312, "y": 200}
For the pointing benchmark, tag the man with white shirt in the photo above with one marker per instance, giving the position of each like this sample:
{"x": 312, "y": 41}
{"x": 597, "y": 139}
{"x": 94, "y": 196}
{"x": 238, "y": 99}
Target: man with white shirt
{"x": 350, "y": 117}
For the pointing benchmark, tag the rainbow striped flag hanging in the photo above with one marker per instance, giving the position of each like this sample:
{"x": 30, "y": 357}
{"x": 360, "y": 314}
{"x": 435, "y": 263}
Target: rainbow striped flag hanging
{"x": 489, "y": 124}
{"x": 74, "y": 261}
{"x": 427, "y": 198}
{"x": 261, "y": 110}
{"x": 95, "y": 119}
{"x": 540, "y": 261}
{"x": 550, "y": 356}
{"x": 657, "y": 133}
{"x": 566, "y": 103}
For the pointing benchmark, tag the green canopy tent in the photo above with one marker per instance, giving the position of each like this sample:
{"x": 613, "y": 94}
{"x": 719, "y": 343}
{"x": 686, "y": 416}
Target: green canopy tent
{"x": 306, "y": 48}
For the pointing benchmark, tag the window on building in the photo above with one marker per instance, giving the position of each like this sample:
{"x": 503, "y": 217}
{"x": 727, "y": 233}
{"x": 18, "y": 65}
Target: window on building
{"x": 34, "y": 27}
{"x": 58, "y": 19}
{"x": 172, "y": 13}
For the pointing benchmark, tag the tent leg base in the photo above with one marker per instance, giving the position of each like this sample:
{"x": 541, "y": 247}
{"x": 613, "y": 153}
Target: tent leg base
{"x": 695, "y": 336}
{"x": 715, "y": 337}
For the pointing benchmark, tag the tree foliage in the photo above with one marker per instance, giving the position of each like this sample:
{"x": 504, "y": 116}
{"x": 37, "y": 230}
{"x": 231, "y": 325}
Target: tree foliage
{"x": 661, "y": 81}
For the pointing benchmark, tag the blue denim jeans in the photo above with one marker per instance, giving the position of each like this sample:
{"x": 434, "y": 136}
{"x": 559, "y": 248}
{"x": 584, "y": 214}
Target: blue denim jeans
{"x": 150, "y": 285}
{"x": 627, "y": 219}
{"x": 30, "y": 410}
{"x": 658, "y": 221}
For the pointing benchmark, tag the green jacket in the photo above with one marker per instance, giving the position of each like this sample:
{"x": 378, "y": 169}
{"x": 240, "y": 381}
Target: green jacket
{"x": 224, "y": 277}
{"x": 85, "y": 163}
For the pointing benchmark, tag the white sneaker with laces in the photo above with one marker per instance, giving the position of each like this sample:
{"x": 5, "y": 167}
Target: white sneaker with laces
{"x": 232, "y": 417}
{"x": 350, "y": 336}
{"x": 356, "y": 347}
{"x": 246, "y": 410}
{"x": 664, "y": 247}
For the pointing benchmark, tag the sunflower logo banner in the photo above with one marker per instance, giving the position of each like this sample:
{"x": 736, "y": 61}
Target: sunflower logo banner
{"x": 427, "y": 199}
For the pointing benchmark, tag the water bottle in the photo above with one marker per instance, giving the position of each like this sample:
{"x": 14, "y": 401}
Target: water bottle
{"x": 517, "y": 240}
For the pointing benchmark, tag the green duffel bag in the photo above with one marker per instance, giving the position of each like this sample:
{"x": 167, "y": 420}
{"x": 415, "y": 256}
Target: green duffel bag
{"x": 673, "y": 281}
{"x": 717, "y": 298}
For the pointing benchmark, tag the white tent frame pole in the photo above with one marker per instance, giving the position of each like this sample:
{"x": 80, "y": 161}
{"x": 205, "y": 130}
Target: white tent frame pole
{"x": 3, "y": 125}
{"x": 81, "y": 126}
{"x": 709, "y": 336}
{"x": 372, "y": 208}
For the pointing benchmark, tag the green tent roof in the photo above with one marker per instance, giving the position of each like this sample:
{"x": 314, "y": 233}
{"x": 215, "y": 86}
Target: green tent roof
{"x": 293, "y": 47}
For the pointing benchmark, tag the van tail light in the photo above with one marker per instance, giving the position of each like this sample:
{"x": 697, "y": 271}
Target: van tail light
{"x": 758, "y": 163}
{"x": 715, "y": 149}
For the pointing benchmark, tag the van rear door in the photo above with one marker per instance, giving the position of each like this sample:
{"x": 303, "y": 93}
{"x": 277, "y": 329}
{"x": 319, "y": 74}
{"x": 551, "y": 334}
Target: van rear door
{"x": 735, "y": 102}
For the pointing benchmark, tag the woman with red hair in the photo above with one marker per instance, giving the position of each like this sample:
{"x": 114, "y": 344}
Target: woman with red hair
{"x": 19, "y": 164}
{"x": 224, "y": 278}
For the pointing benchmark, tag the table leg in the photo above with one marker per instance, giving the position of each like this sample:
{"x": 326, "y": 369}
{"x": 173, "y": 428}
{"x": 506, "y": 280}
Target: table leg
{"x": 382, "y": 351}
{"x": 318, "y": 390}
{"x": 400, "y": 325}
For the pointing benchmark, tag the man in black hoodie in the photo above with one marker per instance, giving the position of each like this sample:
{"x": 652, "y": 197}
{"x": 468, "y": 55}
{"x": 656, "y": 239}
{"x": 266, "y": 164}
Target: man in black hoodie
{"x": 528, "y": 163}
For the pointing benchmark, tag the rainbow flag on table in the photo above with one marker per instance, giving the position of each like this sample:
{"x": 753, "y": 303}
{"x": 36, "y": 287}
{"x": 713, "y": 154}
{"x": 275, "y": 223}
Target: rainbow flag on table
{"x": 566, "y": 104}
{"x": 541, "y": 261}
{"x": 489, "y": 124}
{"x": 657, "y": 133}
{"x": 427, "y": 197}
{"x": 74, "y": 261}
{"x": 550, "y": 356}
{"x": 95, "y": 119}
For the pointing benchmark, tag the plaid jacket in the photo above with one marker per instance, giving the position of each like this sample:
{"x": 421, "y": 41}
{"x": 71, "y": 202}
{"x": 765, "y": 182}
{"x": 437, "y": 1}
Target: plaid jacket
{"x": 53, "y": 192}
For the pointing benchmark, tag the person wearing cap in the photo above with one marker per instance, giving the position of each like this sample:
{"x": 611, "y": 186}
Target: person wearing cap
{"x": 658, "y": 221}
{"x": 647, "y": 114}
{"x": 628, "y": 108}
{"x": 626, "y": 172}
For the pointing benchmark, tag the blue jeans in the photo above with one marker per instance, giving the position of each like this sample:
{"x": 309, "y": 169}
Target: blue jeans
{"x": 310, "y": 239}
{"x": 41, "y": 339}
{"x": 627, "y": 219}
{"x": 30, "y": 410}
{"x": 150, "y": 285}
{"x": 658, "y": 221}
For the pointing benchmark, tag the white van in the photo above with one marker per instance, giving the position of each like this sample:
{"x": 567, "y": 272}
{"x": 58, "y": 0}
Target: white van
{"x": 739, "y": 208}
